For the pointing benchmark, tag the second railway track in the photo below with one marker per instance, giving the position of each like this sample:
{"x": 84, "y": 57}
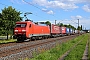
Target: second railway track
{"x": 14, "y": 49}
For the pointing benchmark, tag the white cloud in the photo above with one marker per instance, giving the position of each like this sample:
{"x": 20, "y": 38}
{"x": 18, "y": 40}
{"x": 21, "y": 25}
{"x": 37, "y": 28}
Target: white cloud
{"x": 84, "y": 22}
{"x": 63, "y": 4}
{"x": 12, "y": 1}
{"x": 75, "y": 1}
{"x": 86, "y": 8}
{"x": 48, "y": 11}
{"x": 18, "y": 1}
{"x": 45, "y": 10}
{"x": 76, "y": 17}
{"x": 23, "y": 1}
{"x": 55, "y": 4}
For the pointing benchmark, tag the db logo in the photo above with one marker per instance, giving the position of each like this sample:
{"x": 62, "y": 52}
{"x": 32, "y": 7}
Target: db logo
{"x": 56, "y": 28}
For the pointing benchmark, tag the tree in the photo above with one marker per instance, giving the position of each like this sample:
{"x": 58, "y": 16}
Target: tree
{"x": 0, "y": 15}
{"x": 60, "y": 24}
{"x": 79, "y": 28}
{"x": 9, "y": 17}
{"x": 66, "y": 25}
{"x": 48, "y": 23}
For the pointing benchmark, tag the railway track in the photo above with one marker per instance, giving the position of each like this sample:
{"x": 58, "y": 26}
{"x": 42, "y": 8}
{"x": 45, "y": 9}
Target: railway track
{"x": 16, "y": 50}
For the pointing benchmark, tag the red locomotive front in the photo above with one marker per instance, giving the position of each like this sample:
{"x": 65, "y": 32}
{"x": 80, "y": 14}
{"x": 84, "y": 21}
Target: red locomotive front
{"x": 20, "y": 30}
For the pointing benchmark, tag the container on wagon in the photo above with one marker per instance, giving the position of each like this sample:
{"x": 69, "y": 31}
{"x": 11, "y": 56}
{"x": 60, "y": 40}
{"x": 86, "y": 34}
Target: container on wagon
{"x": 67, "y": 31}
{"x": 82, "y": 32}
{"x": 55, "y": 29}
{"x": 71, "y": 31}
{"x": 76, "y": 31}
{"x": 63, "y": 30}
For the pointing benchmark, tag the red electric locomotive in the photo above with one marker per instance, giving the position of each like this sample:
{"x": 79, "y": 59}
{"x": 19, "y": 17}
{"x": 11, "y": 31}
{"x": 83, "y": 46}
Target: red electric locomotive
{"x": 29, "y": 30}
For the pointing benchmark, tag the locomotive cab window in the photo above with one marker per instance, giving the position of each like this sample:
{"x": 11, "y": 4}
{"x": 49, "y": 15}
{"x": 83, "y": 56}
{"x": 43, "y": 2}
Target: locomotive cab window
{"x": 20, "y": 25}
{"x": 29, "y": 25}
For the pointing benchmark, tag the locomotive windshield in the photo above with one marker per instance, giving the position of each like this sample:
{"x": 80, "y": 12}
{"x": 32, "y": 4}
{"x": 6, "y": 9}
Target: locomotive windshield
{"x": 20, "y": 25}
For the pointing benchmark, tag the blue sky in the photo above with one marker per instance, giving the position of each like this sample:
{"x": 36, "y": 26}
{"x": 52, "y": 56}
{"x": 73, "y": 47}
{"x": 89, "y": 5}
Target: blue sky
{"x": 64, "y": 11}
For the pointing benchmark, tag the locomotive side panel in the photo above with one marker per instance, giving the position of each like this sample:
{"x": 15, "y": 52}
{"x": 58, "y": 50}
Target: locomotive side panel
{"x": 40, "y": 30}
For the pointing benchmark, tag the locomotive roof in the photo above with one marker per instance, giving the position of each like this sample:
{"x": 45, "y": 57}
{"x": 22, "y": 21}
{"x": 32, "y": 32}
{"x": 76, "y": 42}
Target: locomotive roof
{"x": 24, "y": 22}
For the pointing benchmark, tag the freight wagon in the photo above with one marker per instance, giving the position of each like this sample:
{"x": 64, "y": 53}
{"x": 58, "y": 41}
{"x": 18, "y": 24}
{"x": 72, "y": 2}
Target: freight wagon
{"x": 55, "y": 30}
{"x": 71, "y": 31}
{"x": 63, "y": 31}
{"x": 67, "y": 31}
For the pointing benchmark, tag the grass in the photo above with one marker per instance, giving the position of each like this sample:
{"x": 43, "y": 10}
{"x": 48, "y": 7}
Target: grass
{"x": 55, "y": 53}
{"x": 4, "y": 36}
{"x": 77, "y": 52}
{"x": 7, "y": 41}
{"x": 89, "y": 47}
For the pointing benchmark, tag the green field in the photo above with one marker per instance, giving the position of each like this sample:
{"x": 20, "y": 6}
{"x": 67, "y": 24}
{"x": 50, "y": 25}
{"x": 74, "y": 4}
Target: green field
{"x": 89, "y": 46}
{"x": 77, "y": 52}
{"x": 59, "y": 50}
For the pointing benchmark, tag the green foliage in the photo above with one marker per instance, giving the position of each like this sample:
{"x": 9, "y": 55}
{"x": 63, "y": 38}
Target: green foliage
{"x": 7, "y": 41}
{"x": 0, "y": 15}
{"x": 77, "y": 52}
{"x": 9, "y": 17}
{"x": 69, "y": 26}
{"x": 79, "y": 28}
{"x": 48, "y": 23}
{"x": 89, "y": 46}
{"x": 60, "y": 24}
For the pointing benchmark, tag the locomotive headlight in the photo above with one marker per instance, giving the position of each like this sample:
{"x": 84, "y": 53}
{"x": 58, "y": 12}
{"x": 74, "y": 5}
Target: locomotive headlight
{"x": 16, "y": 30}
{"x": 23, "y": 30}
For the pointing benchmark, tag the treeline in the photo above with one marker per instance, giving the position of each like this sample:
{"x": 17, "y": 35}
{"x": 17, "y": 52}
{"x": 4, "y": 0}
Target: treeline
{"x": 8, "y": 17}
{"x": 64, "y": 25}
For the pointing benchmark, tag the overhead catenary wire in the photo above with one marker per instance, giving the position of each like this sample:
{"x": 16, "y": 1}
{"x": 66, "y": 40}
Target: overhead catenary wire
{"x": 71, "y": 21}
{"x": 24, "y": 11}
{"x": 74, "y": 22}
{"x": 37, "y": 7}
{"x": 34, "y": 13}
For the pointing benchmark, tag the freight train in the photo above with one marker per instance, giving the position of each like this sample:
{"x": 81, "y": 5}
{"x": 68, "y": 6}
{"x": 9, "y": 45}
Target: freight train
{"x": 29, "y": 30}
